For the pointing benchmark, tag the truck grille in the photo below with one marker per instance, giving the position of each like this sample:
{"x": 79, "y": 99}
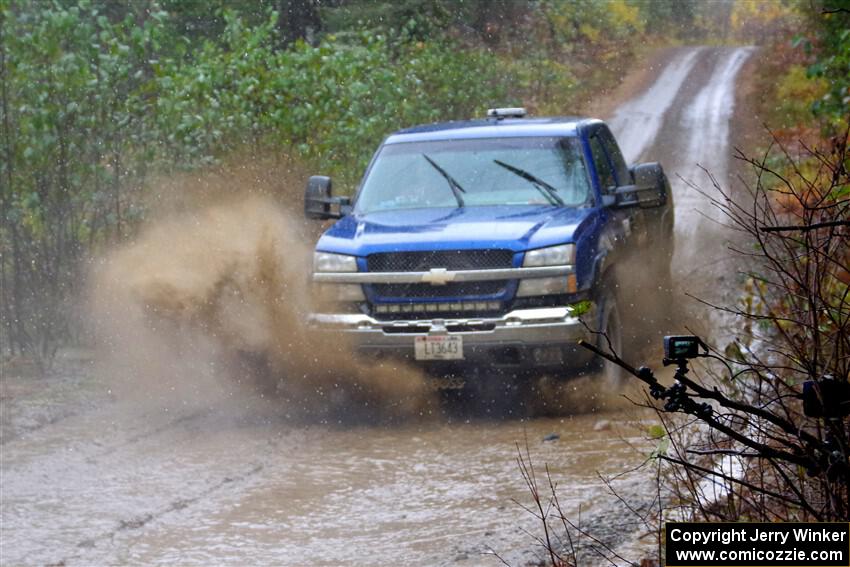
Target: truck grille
{"x": 448, "y": 259}
{"x": 460, "y": 289}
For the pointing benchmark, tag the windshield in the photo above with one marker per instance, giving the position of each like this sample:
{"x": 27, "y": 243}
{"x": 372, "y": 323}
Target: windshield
{"x": 476, "y": 172}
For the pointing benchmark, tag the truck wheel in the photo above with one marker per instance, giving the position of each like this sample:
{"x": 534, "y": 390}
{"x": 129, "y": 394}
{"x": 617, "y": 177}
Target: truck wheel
{"x": 612, "y": 327}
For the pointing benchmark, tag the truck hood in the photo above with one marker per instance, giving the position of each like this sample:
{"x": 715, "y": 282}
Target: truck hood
{"x": 517, "y": 228}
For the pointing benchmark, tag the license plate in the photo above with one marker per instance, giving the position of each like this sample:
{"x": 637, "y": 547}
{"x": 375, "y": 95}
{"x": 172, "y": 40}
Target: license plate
{"x": 438, "y": 348}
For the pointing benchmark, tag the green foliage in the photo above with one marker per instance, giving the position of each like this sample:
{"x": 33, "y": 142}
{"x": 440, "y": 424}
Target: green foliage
{"x": 593, "y": 30}
{"x": 795, "y": 92}
{"x": 94, "y": 100}
{"x": 833, "y": 64}
{"x": 808, "y": 70}
{"x": 331, "y": 103}
{"x": 581, "y": 308}
{"x": 408, "y": 20}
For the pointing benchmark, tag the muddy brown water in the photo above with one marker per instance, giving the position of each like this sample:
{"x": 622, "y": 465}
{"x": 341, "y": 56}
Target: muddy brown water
{"x": 233, "y": 480}
{"x": 213, "y": 485}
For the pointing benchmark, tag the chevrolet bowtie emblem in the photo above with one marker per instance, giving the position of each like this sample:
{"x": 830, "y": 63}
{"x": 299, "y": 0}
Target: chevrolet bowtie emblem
{"x": 437, "y": 276}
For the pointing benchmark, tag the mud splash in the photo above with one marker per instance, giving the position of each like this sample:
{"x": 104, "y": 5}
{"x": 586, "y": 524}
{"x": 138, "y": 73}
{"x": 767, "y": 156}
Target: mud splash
{"x": 210, "y": 303}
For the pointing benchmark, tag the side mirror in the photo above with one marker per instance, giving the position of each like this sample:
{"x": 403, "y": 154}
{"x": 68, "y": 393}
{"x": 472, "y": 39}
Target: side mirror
{"x": 649, "y": 190}
{"x": 318, "y": 199}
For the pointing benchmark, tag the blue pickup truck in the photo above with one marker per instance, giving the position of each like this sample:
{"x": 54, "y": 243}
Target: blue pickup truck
{"x": 496, "y": 242}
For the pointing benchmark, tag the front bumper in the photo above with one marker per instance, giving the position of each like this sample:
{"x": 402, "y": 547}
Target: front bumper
{"x": 523, "y": 337}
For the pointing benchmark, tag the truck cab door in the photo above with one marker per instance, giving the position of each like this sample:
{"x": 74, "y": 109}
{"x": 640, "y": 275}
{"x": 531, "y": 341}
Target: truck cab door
{"x": 627, "y": 225}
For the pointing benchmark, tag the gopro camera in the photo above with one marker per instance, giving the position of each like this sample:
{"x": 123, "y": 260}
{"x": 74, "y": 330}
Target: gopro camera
{"x": 680, "y": 347}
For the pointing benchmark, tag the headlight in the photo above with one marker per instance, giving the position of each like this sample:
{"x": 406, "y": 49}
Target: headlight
{"x": 328, "y": 262}
{"x": 541, "y": 286}
{"x": 562, "y": 255}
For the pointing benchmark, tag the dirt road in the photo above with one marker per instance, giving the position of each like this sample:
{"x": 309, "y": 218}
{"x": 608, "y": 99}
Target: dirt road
{"x": 686, "y": 120}
{"x": 129, "y": 481}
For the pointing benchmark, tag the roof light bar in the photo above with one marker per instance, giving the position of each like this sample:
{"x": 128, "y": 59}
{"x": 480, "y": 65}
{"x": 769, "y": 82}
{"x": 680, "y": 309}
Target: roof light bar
{"x": 500, "y": 113}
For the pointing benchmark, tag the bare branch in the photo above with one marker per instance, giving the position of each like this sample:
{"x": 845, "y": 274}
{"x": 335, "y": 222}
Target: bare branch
{"x": 807, "y": 227}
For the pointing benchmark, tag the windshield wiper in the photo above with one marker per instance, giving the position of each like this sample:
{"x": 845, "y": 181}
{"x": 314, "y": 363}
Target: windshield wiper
{"x": 453, "y": 184}
{"x": 545, "y": 189}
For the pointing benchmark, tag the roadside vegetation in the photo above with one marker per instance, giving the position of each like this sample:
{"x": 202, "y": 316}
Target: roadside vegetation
{"x": 737, "y": 439}
{"x": 760, "y": 430}
{"x": 795, "y": 304}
